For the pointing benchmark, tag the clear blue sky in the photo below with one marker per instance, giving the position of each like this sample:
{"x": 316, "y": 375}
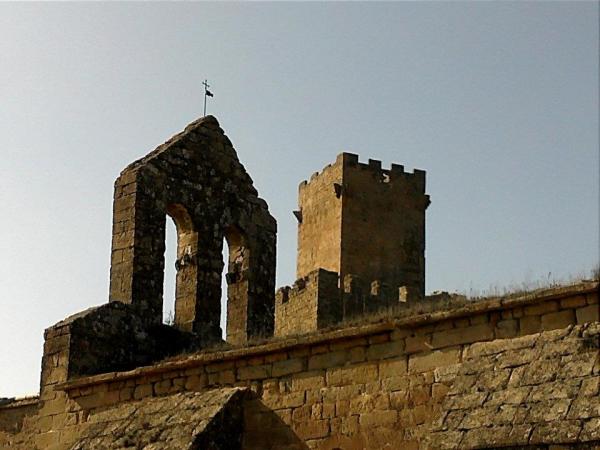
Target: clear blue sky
{"x": 497, "y": 101}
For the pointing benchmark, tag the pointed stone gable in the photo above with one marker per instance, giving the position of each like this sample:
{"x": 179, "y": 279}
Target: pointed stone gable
{"x": 208, "y": 420}
{"x": 196, "y": 179}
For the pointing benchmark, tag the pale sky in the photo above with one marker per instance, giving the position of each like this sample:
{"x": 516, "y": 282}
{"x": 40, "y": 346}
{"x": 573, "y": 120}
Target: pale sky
{"x": 497, "y": 101}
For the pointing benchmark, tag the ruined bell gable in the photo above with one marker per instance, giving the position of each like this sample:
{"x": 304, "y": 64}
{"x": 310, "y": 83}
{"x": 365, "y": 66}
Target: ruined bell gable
{"x": 197, "y": 180}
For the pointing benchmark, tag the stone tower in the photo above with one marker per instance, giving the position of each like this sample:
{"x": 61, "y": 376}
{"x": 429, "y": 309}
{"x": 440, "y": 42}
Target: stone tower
{"x": 362, "y": 221}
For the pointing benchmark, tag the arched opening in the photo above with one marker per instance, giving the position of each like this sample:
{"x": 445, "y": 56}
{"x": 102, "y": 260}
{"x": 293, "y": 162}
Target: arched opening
{"x": 238, "y": 262}
{"x": 224, "y": 293}
{"x": 170, "y": 272}
{"x": 185, "y": 267}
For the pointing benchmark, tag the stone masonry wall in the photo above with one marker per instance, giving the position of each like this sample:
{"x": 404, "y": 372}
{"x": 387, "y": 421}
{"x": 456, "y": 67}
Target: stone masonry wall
{"x": 14, "y": 411}
{"x": 383, "y": 224}
{"x": 373, "y": 386}
{"x": 320, "y": 222}
{"x": 321, "y": 300}
{"x": 313, "y": 302}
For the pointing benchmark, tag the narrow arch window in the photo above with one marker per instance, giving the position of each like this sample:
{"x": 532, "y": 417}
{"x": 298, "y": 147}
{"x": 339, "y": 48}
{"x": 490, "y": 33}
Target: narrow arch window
{"x": 224, "y": 293}
{"x": 185, "y": 266}
{"x": 238, "y": 262}
{"x": 170, "y": 272}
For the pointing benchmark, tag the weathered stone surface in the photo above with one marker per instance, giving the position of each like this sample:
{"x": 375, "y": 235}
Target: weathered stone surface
{"x": 212, "y": 419}
{"x": 540, "y": 390}
{"x": 439, "y": 358}
{"x": 589, "y": 313}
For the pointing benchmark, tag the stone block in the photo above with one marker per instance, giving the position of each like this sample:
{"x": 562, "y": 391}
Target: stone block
{"x": 458, "y": 336}
{"x": 312, "y": 429}
{"x": 589, "y": 313}
{"x": 507, "y": 328}
{"x": 490, "y": 437}
{"x": 530, "y": 324}
{"x": 393, "y": 384}
{"x": 548, "y": 411}
{"x": 446, "y": 374}
{"x": 307, "y": 381}
{"x": 393, "y": 368}
{"x": 357, "y": 354}
{"x": 563, "y": 431}
{"x": 385, "y": 350}
{"x": 336, "y": 393}
{"x": 162, "y": 387}
{"x": 362, "y": 373}
{"x": 195, "y": 382}
{"x": 378, "y": 418}
{"x": 419, "y": 395}
{"x": 254, "y": 372}
{"x": 541, "y": 308}
{"x": 509, "y": 396}
{"x": 579, "y": 366}
{"x": 585, "y": 408}
{"x": 429, "y": 361}
{"x": 590, "y": 387}
{"x": 281, "y": 368}
{"x": 591, "y": 430}
{"x": 554, "y": 391}
{"x": 326, "y": 360}
{"x": 515, "y": 358}
{"x": 282, "y": 401}
{"x": 445, "y": 440}
{"x": 463, "y": 384}
{"x": 418, "y": 343}
{"x": 142, "y": 391}
{"x": 560, "y": 319}
{"x": 466, "y": 401}
{"x": 573, "y": 302}
{"x": 439, "y": 391}
{"x": 47, "y": 440}
{"x": 220, "y": 366}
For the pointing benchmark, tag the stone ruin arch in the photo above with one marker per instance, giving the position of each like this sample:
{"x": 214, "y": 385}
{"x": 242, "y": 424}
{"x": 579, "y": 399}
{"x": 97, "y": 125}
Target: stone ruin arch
{"x": 196, "y": 179}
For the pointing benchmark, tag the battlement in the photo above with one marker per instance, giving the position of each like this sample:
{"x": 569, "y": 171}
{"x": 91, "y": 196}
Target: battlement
{"x": 322, "y": 299}
{"x": 313, "y": 302}
{"x": 350, "y": 162}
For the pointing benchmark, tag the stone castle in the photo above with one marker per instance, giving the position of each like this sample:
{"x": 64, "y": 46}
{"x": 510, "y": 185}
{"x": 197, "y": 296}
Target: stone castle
{"x": 353, "y": 356}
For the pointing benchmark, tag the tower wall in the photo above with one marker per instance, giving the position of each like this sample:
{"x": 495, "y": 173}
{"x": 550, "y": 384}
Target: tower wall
{"x": 359, "y": 219}
{"x": 320, "y": 222}
{"x": 383, "y": 224}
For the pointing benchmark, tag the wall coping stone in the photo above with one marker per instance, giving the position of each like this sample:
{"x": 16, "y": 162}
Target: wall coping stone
{"x": 9, "y": 403}
{"x": 323, "y": 336}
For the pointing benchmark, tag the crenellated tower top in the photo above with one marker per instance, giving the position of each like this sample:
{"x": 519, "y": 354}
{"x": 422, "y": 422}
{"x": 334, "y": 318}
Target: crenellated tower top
{"x": 360, "y": 219}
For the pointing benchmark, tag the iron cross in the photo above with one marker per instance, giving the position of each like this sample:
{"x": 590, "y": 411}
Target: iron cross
{"x": 207, "y": 93}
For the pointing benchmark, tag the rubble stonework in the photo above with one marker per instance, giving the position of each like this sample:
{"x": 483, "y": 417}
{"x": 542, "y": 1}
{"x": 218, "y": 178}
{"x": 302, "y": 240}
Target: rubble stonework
{"x": 515, "y": 372}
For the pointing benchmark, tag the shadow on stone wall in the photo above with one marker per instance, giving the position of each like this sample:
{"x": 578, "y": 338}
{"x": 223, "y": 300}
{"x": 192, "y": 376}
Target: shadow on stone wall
{"x": 264, "y": 429}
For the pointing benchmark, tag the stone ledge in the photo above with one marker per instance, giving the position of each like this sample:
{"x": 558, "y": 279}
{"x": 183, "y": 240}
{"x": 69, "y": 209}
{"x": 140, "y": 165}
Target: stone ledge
{"x": 477, "y": 307}
{"x": 8, "y": 403}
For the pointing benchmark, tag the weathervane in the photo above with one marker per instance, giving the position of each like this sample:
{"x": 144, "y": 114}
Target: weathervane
{"x": 207, "y": 93}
